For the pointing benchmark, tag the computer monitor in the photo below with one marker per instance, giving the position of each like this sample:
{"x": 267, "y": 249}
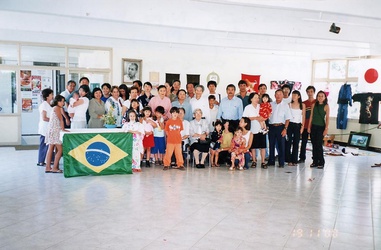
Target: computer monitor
{"x": 359, "y": 140}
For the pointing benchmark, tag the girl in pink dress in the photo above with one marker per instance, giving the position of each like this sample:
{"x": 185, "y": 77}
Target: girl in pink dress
{"x": 265, "y": 111}
{"x": 238, "y": 149}
{"x": 56, "y": 125}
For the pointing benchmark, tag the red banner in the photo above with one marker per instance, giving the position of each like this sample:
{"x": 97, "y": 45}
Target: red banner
{"x": 252, "y": 82}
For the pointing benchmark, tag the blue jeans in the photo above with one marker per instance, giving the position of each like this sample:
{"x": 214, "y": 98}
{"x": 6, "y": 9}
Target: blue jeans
{"x": 275, "y": 137}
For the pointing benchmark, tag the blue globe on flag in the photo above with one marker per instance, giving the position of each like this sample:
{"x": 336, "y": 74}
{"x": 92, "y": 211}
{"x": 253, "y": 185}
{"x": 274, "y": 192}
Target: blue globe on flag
{"x": 97, "y": 154}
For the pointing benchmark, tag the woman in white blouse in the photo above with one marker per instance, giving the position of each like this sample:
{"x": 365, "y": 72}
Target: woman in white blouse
{"x": 198, "y": 132}
{"x": 81, "y": 106}
{"x": 45, "y": 110}
{"x": 295, "y": 128}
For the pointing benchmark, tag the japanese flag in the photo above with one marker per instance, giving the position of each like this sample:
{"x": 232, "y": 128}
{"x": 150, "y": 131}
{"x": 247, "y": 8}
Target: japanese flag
{"x": 369, "y": 79}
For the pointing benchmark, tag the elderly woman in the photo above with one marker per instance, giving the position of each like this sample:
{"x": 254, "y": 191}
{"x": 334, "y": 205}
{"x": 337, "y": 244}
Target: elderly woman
{"x": 198, "y": 132}
{"x": 96, "y": 109}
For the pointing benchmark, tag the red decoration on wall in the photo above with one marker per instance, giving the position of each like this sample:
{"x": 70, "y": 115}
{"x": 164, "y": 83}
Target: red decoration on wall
{"x": 371, "y": 75}
{"x": 253, "y": 82}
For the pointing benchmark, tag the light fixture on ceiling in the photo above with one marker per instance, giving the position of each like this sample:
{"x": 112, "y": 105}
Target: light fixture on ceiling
{"x": 334, "y": 29}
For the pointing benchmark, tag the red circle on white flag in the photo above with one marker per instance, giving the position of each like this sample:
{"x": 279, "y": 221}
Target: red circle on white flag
{"x": 371, "y": 75}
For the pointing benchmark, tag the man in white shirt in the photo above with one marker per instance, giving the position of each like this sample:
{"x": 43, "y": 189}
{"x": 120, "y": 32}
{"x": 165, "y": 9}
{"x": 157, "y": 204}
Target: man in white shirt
{"x": 278, "y": 124}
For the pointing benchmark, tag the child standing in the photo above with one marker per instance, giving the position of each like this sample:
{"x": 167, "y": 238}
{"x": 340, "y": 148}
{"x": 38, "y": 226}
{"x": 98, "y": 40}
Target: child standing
{"x": 148, "y": 141}
{"x": 134, "y": 106}
{"x": 56, "y": 125}
{"x": 133, "y": 126}
{"x": 216, "y": 139}
{"x": 238, "y": 149}
{"x": 159, "y": 137}
{"x": 173, "y": 128}
{"x": 265, "y": 111}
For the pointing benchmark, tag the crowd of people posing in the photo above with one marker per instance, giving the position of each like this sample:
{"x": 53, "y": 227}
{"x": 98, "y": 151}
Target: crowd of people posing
{"x": 177, "y": 123}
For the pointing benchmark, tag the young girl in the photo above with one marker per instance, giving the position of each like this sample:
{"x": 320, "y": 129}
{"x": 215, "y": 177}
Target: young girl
{"x": 295, "y": 128}
{"x": 159, "y": 136}
{"x": 216, "y": 139}
{"x": 134, "y": 106}
{"x": 265, "y": 112}
{"x": 56, "y": 125}
{"x": 133, "y": 126}
{"x": 237, "y": 149}
{"x": 149, "y": 125}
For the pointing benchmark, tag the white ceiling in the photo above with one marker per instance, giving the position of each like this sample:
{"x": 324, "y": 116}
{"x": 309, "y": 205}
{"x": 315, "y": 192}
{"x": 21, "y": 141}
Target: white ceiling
{"x": 279, "y": 26}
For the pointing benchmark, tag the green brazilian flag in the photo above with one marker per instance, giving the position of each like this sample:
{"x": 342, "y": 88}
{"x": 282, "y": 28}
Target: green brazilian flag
{"x": 97, "y": 154}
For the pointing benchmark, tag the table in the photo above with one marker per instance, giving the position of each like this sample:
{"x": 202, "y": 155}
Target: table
{"x": 96, "y": 152}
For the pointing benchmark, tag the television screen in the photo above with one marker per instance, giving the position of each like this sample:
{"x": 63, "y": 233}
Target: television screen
{"x": 359, "y": 140}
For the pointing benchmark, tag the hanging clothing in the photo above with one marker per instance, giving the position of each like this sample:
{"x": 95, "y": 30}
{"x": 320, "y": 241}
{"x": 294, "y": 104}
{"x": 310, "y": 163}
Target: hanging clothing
{"x": 345, "y": 98}
{"x": 369, "y": 107}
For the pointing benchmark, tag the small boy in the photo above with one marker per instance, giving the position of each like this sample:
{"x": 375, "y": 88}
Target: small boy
{"x": 173, "y": 128}
{"x": 159, "y": 136}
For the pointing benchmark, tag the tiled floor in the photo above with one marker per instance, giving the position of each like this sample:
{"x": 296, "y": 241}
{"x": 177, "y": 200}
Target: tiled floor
{"x": 291, "y": 208}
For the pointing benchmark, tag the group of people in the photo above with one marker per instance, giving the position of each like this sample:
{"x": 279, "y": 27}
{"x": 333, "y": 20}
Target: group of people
{"x": 169, "y": 125}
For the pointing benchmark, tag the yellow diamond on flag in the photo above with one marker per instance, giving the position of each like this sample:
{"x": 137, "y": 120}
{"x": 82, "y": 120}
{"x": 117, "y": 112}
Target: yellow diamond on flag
{"x": 97, "y": 153}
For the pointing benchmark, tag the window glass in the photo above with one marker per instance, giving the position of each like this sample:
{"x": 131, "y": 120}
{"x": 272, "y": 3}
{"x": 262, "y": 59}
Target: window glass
{"x": 89, "y": 58}
{"x": 96, "y": 79}
{"x": 337, "y": 69}
{"x": 8, "y": 92}
{"x": 353, "y": 68}
{"x": 43, "y": 56}
{"x": 321, "y": 70}
{"x": 8, "y": 54}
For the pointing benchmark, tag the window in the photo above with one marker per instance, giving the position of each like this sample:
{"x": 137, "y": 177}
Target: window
{"x": 89, "y": 58}
{"x": 8, "y": 104}
{"x": 8, "y": 54}
{"x": 42, "y": 56}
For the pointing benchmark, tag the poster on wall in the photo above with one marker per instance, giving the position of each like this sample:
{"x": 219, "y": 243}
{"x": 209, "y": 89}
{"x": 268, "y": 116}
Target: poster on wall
{"x": 278, "y": 84}
{"x": 26, "y": 80}
{"x": 26, "y": 100}
{"x": 32, "y": 82}
{"x": 252, "y": 82}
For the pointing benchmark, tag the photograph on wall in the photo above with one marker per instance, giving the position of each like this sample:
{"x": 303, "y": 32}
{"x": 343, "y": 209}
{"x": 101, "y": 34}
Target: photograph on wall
{"x": 278, "y": 84}
{"x": 131, "y": 70}
{"x": 26, "y": 80}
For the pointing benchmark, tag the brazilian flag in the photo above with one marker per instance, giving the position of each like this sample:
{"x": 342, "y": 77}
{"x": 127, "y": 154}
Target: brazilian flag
{"x": 97, "y": 154}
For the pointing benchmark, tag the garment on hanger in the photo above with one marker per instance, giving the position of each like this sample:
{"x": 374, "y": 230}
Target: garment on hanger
{"x": 369, "y": 107}
{"x": 345, "y": 98}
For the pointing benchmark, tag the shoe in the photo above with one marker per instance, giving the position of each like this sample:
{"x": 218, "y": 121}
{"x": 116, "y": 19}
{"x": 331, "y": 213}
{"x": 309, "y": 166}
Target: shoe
{"x": 254, "y": 164}
{"x": 157, "y": 163}
{"x": 301, "y": 161}
{"x": 281, "y": 166}
{"x": 240, "y": 168}
{"x": 202, "y": 165}
{"x": 320, "y": 167}
{"x": 48, "y": 171}
{"x": 313, "y": 165}
{"x": 41, "y": 164}
{"x": 59, "y": 171}
{"x": 148, "y": 164}
{"x": 165, "y": 168}
{"x": 180, "y": 168}
{"x": 231, "y": 168}
{"x": 264, "y": 165}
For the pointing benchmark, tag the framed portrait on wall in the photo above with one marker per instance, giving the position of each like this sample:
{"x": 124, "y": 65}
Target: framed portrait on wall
{"x": 131, "y": 70}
